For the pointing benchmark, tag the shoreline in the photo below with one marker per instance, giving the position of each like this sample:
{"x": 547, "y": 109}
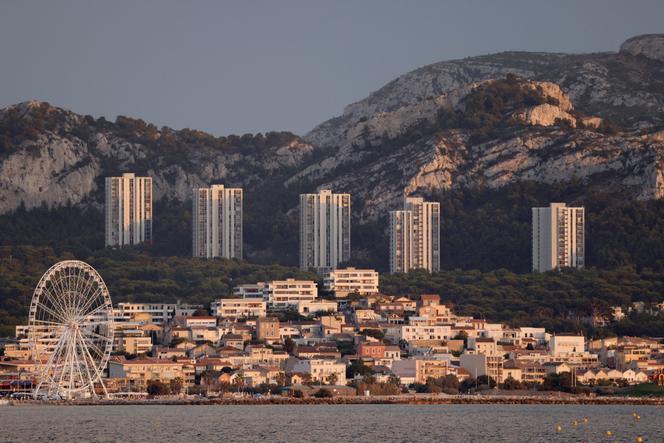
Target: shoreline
{"x": 373, "y": 400}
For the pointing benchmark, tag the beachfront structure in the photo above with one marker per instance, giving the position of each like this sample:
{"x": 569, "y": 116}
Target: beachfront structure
{"x": 217, "y": 222}
{"x": 324, "y": 230}
{"x": 483, "y": 364}
{"x": 558, "y": 237}
{"x": 415, "y": 236}
{"x": 321, "y": 370}
{"x": 351, "y": 281}
{"x": 128, "y": 210}
{"x": 137, "y": 373}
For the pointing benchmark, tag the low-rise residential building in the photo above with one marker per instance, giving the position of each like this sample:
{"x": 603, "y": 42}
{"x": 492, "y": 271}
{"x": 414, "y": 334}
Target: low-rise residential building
{"x": 351, "y": 281}
{"x": 532, "y": 372}
{"x": 239, "y": 308}
{"x": 627, "y": 354}
{"x": 251, "y": 290}
{"x": 483, "y": 345}
{"x": 284, "y": 294}
{"x": 414, "y": 333}
{"x": 427, "y": 368}
{"x": 204, "y": 334}
{"x": 321, "y": 370}
{"x": 160, "y": 313}
{"x": 483, "y": 364}
{"x": 140, "y": 371}
{"x": 268, "y": 329}
{"x": 371, "y": 350}
{"x": 204, "y": 321}
{"x": 309, "y": 308}
{"x": 564, "y": 344}
{"x": 132, "y": 341}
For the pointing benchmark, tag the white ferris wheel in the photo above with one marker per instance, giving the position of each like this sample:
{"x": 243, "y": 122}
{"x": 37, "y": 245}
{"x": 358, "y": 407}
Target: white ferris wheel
{"x": 70, "y": 331}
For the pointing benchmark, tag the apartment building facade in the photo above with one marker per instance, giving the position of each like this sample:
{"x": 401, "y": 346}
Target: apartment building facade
{"x": 558, "y": 237}
{"x": 217, "y": 222}
{"x": 324, "y": 230}
{"x": 159, "y": 313}
{"x": 415, "y": 236}
{"x": 128, "y": 210}
{"x": 426, "y": 232}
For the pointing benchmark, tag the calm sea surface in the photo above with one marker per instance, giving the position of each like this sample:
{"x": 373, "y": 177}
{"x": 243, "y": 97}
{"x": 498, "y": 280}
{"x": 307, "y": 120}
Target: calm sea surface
{"x": 314, "y": 423}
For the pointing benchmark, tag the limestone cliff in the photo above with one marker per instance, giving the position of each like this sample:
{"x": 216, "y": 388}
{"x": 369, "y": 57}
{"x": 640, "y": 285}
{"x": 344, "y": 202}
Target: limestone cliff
{"x": 66, "y": 159}
{"x": 391, "y": 142}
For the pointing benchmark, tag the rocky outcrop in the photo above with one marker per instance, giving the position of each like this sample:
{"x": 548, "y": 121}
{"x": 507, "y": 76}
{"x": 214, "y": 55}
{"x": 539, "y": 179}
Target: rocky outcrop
{"x": 61, "y": 167}
{"x": 650, "y": 46}
{"x": 623, "y": 164}
{"x": 622, "y": 87}
{"x": 546, "y": 115}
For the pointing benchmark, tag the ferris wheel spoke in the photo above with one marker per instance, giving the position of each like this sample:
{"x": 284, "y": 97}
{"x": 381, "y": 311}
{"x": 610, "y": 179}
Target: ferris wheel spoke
{"x": 67, "y": 358}
{"x": 47, "y": 322}
{"x": 57, "y": 297}
{"x": 51, "y": 360}
{"x": 52, "y": 312}
{"x": 55, "y": 301}
{"x": 86, "y": 364}
{"x": 62, "y": 350}
{"x": 59, "y": 290}
{"x": 46, "y": 335}
{"x": 67, "y": 282}
{"x": 92, "y": 345}
{"x": 72, "y": 291}
{"x": 99, "y": 336}
{"x": 76, "y": 353}
{"x": 90, "y": 301}
{"x": 94, "y": 365}
{"x": 87, "y": 287}
{"x": 76, "y": 288}
{"x": 95, "y": 311}
{"x": 81, "y": 289}
{"x": 67, "y": 290}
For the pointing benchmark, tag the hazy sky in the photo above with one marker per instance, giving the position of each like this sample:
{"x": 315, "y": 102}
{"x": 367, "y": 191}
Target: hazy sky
{"x": 250, "y": 66}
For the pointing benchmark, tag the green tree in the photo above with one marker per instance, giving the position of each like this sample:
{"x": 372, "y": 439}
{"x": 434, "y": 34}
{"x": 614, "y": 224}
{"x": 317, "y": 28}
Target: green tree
{"x": 323, "y": 393}
{"x": 176, "y": 385}
{"x": 332, "y": 379}
{"x": 156, "y": 387}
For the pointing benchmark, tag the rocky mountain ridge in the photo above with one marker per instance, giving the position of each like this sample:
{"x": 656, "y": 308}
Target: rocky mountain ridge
{"x": 393, "y": 142}
{"x": 66, "y": 160}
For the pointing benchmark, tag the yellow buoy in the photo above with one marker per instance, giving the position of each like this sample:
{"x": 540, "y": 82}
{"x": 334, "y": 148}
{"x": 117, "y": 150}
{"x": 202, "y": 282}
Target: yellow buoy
{"x": 639, "y": 439}
{"x": 585, "y": 419}
{"x": 637, "y": 418}
{"x": 559, "y": 428}
{"x": 609, "y": 433}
